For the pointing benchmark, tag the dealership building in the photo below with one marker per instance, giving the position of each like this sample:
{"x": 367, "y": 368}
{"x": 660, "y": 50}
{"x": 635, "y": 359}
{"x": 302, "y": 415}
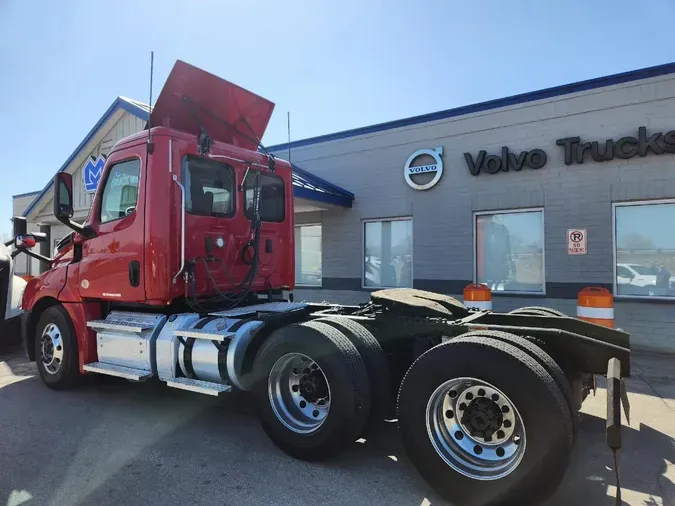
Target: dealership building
{"x": 537, "y": 195}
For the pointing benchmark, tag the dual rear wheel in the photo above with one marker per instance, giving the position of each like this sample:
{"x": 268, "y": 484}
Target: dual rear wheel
{"x": 485, "y": 418}
{"x": 318, "y": 384}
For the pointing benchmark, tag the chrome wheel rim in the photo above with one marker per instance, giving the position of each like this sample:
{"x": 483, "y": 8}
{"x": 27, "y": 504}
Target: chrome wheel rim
{"x": 476, "y": 429}
{"x": 51, "y": 348}
{"x": 299, "y": 393}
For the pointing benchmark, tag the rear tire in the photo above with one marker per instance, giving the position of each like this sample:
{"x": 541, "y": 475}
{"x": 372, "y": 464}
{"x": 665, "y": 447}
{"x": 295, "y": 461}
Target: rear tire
{"x": 56, "y": 349}
{"x": 544, "y": 359}
{"x": 541, "y": 407}
{"x": 375, "y": 360}
{"x": 315, "y": 430}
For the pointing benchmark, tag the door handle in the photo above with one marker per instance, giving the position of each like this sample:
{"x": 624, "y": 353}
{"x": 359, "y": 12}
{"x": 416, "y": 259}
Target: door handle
{"x": 134, "y": 273}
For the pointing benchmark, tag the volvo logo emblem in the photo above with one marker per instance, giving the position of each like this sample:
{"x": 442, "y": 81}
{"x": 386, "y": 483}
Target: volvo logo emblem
{"x": 435, "y": 168}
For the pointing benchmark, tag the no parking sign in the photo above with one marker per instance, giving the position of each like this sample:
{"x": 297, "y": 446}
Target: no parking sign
{"x": 576, "y": 241}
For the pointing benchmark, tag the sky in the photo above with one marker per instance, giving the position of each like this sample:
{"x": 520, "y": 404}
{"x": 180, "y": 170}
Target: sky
{"x": 333, "y": 64}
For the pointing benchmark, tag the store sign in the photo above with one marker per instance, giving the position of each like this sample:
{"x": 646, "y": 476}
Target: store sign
{"x": 576, "y": 241}
{"x": 575, "y": 152}
{"x": 92, "y": 173}
{"x": 435, "y": 168}
{"x": 624, "y": 148}
{"x": 492, "y": 164}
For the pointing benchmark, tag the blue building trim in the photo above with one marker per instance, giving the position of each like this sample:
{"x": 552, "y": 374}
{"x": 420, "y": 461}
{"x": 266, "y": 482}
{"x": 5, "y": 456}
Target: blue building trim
{"x": 320, "y": 182}
{"x": 25, "y": 194}
{"x": 319, "y": 196}
{"x": 566, "y": 89}
{"x": 119, "y": 103}
{"x": 308, "y": 186}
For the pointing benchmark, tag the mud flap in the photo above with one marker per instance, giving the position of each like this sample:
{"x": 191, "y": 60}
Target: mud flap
{"x": 616, "y": 396}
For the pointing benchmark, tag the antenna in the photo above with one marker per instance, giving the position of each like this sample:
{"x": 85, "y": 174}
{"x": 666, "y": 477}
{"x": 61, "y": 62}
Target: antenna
{"x": 150, "y": 146}
{"x": 289, "y": 136}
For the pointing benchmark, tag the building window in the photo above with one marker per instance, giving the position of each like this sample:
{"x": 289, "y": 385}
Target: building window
{"x": 120, "y": 193}
{"x": 308, "y": 255}
{"x": 272, "y": 200}
{"x": 209, "y": 187}
{"x": 509, "y": 250}
{"x": 644, "y": 249}
{"x": 388, "y": 253}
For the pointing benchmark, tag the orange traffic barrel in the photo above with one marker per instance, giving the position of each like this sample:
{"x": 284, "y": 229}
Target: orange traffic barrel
{"x": 477, "y": 296}
{"x": 596, "y": 305}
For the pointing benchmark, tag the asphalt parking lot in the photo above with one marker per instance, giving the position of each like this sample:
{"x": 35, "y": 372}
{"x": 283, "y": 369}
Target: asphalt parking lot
{"x": 113, "y": 442}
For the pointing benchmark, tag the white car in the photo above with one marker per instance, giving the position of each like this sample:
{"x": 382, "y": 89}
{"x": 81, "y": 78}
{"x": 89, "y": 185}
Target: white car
{"x": 641, "y": 277}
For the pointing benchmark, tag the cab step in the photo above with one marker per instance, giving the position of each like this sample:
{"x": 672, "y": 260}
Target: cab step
{"x": 117, "y": 370}
{"x": 201, "y": 387}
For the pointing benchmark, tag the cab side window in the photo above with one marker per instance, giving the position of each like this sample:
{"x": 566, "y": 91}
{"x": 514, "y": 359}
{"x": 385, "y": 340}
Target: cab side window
{"x": 120, "y": 194}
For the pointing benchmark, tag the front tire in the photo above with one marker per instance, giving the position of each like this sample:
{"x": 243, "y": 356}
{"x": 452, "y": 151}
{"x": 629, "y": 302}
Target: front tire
{"x": 56, "y": 349}
{"x": 454, "y": 404}
{"x": 311, "y": 389}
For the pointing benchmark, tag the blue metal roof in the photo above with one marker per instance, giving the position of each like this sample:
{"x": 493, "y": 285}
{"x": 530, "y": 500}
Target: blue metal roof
{"x": 308, "y": 186}
{"x": 600, "y": 82}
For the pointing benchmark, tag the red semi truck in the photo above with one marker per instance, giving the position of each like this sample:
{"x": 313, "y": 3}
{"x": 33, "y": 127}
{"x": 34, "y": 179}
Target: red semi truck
{"x": 179, "y": 273}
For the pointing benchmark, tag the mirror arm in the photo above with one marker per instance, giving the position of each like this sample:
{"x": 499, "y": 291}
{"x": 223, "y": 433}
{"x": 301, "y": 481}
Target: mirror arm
{"x": 41, "y": 258}
{"x": 85, "y": 230}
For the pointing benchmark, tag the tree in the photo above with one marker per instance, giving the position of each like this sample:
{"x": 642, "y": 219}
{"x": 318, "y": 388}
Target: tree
{"x": 636, "y": 241}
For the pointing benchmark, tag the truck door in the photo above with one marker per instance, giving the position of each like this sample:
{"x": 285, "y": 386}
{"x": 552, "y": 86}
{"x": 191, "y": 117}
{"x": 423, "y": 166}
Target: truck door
{"x": 112, "y": 262}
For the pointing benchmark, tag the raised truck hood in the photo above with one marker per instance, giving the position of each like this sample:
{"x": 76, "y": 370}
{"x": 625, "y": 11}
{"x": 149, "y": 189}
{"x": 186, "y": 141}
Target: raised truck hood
{"x": 211, "y": 98}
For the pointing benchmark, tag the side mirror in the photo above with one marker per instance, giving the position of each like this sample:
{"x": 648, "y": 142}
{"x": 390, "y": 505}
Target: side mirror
{"x": 63, "y": 204}
{"x": 19, "y": 225}
{"x": 26, "y": 241}
{"x": 63, "y": 197}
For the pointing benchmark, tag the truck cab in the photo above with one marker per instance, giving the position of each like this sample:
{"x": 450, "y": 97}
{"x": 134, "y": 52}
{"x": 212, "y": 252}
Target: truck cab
{"x": 188, "y": 215}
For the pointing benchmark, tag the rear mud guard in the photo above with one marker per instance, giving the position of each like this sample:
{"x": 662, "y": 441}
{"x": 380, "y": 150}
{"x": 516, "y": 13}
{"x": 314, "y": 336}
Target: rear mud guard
{"x": 616, "y": 396}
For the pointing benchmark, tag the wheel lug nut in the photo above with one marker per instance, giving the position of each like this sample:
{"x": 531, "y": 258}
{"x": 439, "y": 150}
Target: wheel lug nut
{"x": 481, "y": 392}
{"x": 477, "y": 450}
{"x": 495, "y": 397}
{"x": 295, "y": 370}
{"x": 500, "y": 434}
{"x": 462, "y": 406}
{"x": 488, "y": 439}
{"x": 315, "y": 413}
{"x": 469, "y": 396}
{"x": 500, "y": 452}
{"x": 505, "y": 409}
{"x": 303, "y": 404}
{"x": 507, "y": 423}
{"x": 452, "y": 394}
{"x": 295, "y": 388}
{"x": 449, "y": 414}
{"x": 459, "y": 435}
